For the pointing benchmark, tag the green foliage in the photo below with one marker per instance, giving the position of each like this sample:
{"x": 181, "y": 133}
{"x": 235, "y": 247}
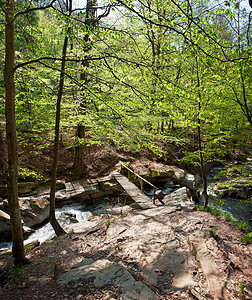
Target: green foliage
{"x": 243, "y": 225}
{"x": 155, "y": 83}
{"x": 108, "y": 223}
{"x": 213, "y": 229}
{"x": 242, "y": 287}
{"x": 27, "y": 174}
{"x": 17, "y": 270}
{"x": 27, "y": 248}
{"x": 247, "y": 239}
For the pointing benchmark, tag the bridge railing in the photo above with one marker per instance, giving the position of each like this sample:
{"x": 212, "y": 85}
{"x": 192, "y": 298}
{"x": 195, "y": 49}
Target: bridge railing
{"x": 141, "y": 180}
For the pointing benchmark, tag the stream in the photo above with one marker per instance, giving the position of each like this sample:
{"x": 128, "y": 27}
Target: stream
{"x": 46, "y": 231}
{"x": 239, "y": 210}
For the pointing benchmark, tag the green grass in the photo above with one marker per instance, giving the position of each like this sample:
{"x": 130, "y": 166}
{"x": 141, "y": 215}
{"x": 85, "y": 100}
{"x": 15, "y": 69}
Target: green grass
{"x": 243, "y": 225}
{"x": 242, "y": 286}
{"x": 247, "y": 239}
{"x": 108, "y": 223}
{"x": 17, "y": 270}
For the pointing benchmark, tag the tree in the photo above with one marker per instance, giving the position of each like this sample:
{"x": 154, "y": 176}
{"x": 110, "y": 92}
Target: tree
{"x": 11, "y": 137}
{"x": 16, "y": 225}
{"x": 55, "y": 224}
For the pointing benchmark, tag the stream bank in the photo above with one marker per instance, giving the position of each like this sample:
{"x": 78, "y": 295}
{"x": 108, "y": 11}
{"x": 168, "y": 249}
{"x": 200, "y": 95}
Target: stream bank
{"x": 168, "y": 252}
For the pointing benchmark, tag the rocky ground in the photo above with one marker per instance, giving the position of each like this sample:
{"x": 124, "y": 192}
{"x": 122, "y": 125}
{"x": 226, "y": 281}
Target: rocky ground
{"x": 168, "y": 252}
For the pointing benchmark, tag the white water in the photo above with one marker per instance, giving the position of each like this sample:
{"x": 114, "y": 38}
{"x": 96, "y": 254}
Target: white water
{"x": 46, "y": 231}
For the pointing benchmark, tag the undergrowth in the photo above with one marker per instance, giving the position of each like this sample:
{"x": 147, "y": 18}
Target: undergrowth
{"x": 243, "y": 225}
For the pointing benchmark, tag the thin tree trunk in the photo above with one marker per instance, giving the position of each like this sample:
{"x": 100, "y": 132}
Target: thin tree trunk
{"x": 55, "y": 224}
{"x": 3, "y": 156}
{"x": 16, "y": 225}
{"x": 203, "y": 174}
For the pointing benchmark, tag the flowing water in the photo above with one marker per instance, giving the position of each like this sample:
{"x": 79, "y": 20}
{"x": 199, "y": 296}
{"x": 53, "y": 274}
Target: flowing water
{"x": 239, "y": 209}
{"x": 46, "y": 231}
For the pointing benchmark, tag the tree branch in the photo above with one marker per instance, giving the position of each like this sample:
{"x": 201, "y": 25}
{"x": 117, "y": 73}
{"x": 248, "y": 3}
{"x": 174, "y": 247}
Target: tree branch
{"x": 35, "y": 9}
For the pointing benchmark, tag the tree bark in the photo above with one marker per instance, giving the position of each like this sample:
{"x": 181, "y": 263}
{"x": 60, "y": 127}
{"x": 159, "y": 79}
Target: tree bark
{"x": 79, "y": 155}
{"x": 201, "y": 157}
{"x": 55, "y": 224}
{"x": 14, "y": 211}
{"x": 3, "y": 156}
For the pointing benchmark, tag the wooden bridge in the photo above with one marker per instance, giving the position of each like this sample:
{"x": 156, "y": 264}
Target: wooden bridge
{"x": 134, "y": 192}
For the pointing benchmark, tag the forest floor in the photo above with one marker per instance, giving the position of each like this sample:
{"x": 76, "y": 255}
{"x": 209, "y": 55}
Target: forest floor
{"x": 40, "y": 278}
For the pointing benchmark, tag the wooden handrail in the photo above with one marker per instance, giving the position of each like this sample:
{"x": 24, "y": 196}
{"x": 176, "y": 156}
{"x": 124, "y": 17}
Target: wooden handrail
{"x": 141, "y": 182}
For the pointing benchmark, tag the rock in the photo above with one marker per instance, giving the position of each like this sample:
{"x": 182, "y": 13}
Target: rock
{"x": 179, "y": 197}
{"x": 248, "y": 289}
{"x": 123, "y": 210}
{"x": 83, "y": 226}
{"x": 159, "y": 195}
{"x": 163, "y": 175}
{"x": 60, "y": 185}
{"x": 34, "y": 211}
{"x": 190, "y": 182}
{"x": 76, "y": 192}
{"x": 68, "y": 217}
{"x": 197, "y": 295}
{"x": 6, "y": 267}
{"x": 106, "y": 272}
{"x": 26, "y": 187}
{"x": 185, "y": 179}
{"x": 86, "y": 270}
{"x": 5, "y": 227}
{"x": 205, "y": 248}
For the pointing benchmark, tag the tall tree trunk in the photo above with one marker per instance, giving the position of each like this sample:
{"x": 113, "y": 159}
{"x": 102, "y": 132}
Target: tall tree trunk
{"x": 90, "y": 23}
{"x": 15, "y": 217}
{"x": 55, "y": 224}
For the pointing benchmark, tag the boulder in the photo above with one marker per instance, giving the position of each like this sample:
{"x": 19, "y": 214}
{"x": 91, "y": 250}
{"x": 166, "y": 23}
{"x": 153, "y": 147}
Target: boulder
{"x": 161, "y": 174}
{"x": 179, "y": 197}
{"x": 34, "y": 211}
{"x": 5, "y": 227}
{"x": 74, "y": 190}
{"x": 26, "y": 187}
{"x": 67, "y": 218}
{"x": 60, "y": 185}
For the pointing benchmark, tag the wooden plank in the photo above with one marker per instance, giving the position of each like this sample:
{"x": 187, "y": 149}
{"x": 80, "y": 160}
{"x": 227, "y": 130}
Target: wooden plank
{"x": 142, "y": 200}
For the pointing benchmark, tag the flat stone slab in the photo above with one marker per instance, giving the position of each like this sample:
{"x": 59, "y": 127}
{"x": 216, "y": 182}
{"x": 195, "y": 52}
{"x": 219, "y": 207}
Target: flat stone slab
{"x": 206, "y": 250}
{"x": 106, "y": 272}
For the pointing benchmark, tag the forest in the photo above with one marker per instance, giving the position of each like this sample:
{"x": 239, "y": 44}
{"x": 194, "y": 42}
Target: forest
{"x": 143, "y": 74}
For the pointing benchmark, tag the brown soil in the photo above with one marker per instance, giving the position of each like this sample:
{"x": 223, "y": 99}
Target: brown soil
{"x": 99, "y": 161}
